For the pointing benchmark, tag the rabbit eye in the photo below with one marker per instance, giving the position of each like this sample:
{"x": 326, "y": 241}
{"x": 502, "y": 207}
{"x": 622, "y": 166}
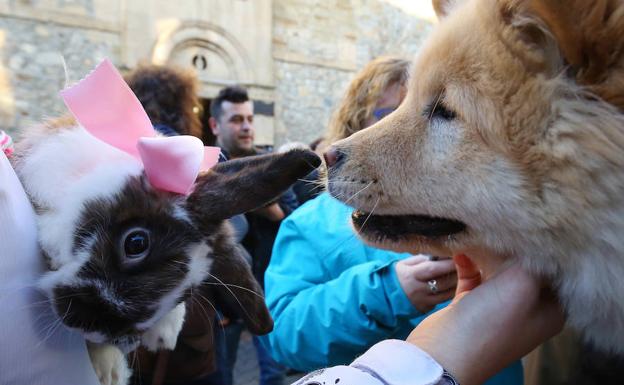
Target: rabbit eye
{"x": 136, "y": 244}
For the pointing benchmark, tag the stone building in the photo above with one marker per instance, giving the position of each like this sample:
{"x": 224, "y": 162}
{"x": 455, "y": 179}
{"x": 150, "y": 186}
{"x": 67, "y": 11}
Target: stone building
{"x": 295, "y": 56}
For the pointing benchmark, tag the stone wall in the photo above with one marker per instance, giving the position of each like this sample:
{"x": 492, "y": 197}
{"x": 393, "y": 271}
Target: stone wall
{"x": 31, "y": 59}
{"x": 35, "y": 37}
{"x": 318, "y": 45}
{"x": 305, "y": 97}
{"x": 386, "y": 29}
{"x": 302, "y": 63}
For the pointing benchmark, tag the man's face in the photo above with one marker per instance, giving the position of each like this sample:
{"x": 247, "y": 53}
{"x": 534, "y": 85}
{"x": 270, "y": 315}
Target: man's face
{"x": 234, "y": 128}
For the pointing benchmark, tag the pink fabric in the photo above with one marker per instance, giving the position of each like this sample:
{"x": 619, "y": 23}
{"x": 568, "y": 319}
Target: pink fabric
{"x": 107, "y": 108}
{"x": 178, "y": 155}
{"x": 6, "y": 144}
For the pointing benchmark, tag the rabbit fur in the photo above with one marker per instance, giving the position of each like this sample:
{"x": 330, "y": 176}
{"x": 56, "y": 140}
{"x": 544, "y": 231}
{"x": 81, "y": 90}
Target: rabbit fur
{"x": 122, "y": 256}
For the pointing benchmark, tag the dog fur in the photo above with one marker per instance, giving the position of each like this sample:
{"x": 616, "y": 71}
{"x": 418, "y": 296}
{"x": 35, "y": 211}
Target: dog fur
{"x": 513, "y": 125}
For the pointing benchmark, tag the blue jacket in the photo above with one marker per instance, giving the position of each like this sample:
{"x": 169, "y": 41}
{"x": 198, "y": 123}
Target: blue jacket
{"x": 331, "y": 296}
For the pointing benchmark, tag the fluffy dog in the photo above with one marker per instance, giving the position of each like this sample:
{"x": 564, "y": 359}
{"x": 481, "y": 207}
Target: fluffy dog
{"x": 509, "y": 143}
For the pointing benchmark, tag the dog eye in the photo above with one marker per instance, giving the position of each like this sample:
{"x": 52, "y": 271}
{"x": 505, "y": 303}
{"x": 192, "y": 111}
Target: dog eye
{"x": 442, "y": 112}
{"x": 136, "y": 244}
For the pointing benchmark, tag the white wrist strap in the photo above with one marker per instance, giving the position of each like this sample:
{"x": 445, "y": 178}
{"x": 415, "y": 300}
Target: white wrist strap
{"x": 400, "y": 363}
{"x": 390, "y": 362}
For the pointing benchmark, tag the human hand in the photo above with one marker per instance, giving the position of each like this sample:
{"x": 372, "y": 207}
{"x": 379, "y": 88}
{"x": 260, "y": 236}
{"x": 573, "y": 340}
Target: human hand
{"x": 415, "y": 272}
{"x": 488, "y": 325}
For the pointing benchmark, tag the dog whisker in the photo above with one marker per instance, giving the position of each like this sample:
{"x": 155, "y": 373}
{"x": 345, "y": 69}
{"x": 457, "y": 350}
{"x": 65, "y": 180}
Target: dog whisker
{"x": 369, "y": 215}
{"x": 354, "y": 195}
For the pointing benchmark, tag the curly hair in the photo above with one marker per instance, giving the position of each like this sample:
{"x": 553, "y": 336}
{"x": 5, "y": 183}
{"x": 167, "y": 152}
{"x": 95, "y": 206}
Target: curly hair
{"x": 362, "y": 95}
{"x": 169, "y": 96}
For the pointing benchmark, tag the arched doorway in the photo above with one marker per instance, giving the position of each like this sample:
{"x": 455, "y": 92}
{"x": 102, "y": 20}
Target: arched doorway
{"x": 219, "y": 60}
{"x": 218, "y": 57}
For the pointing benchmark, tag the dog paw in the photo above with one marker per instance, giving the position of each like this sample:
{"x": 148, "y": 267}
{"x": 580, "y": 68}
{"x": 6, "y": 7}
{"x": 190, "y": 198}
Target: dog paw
{"x": 164, "y": 333}
{"x": 109, "y": 364}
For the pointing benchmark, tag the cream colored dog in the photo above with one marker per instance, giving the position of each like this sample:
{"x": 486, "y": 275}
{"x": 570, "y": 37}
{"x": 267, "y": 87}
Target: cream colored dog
{"x": 510, "y": 142}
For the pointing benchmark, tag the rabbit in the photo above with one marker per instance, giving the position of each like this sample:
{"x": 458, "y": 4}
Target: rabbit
{"x": 123, "y": 256}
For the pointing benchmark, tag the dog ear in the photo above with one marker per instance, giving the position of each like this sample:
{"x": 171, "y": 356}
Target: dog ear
{"x": 590, "y": 34}
{"x": 586, "y": 35}
{"x": 237, "y": 186}
{"x": 443, "y": 7}
{"x": 532, "y": 41}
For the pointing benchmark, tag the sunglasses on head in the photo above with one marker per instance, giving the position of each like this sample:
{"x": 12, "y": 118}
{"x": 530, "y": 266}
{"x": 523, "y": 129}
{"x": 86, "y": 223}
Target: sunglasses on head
{"x": 381, "y": 113}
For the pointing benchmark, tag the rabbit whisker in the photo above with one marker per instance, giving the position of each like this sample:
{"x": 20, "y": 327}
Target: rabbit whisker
{"x": 236, "y": 286}
{"x": 206, "y": 312}
{"x": 233, "y": 295}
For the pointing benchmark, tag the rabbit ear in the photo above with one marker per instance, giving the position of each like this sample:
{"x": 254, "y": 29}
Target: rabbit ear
{"x": 236, "y": 292}
{"x": 241, "y": 185}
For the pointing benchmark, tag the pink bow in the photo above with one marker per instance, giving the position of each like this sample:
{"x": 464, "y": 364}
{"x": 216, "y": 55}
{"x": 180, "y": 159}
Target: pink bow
{"x": 107, "y": 108}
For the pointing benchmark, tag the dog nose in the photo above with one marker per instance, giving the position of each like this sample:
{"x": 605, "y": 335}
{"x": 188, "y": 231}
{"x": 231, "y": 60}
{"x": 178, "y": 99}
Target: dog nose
{"x": 333, "y": 156}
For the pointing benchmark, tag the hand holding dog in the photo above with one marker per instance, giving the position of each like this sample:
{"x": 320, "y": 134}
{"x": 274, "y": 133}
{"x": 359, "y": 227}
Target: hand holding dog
{"x": 493, "y": 323}
{"x": 416, "y": 272}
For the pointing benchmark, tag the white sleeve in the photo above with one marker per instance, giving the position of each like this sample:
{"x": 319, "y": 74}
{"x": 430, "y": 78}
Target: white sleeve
{"x": 35, "y": 348}
{"x": 390, "y": 362}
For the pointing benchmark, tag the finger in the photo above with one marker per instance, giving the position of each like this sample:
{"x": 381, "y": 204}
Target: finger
{"x": 442, "y": 296}
{"x": 431, "y": 269}
{"x": 415, "y": 259}
{"x": 445, "y": 282}
{"x": 468, "y": 274}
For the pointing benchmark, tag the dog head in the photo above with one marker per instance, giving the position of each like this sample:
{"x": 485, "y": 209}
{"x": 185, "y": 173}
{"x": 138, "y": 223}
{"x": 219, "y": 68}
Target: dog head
{"x": 511, "y": 130}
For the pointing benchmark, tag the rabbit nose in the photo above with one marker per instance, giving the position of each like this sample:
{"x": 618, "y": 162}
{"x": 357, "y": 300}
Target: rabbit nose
{"x": 84, "y": 309}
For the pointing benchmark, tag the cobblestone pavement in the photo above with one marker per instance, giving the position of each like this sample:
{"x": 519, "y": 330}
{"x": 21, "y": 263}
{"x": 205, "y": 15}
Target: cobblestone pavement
{"x": 246, "y": 370}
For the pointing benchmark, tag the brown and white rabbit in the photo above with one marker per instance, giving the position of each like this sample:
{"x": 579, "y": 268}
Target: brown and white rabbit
{"x": 122, "y": 255}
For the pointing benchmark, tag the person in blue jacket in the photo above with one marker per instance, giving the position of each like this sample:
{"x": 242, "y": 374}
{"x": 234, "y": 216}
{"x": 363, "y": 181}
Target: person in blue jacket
{"x": 331, "y": 296}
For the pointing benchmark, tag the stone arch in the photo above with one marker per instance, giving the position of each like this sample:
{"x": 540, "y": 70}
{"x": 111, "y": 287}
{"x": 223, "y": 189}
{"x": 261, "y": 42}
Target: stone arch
{"x": 217, "y": 56}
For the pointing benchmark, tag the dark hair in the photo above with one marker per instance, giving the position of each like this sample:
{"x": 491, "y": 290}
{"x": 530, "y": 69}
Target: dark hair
{"x": 168, "y": 95}
{"x": 232, "y": 94}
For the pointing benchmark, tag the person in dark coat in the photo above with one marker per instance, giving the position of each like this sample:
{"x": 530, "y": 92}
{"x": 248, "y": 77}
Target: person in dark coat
{"x": 232, "y": 123}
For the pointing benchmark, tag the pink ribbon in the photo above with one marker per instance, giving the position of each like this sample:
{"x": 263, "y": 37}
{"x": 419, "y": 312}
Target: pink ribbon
{"x": 107, "y": 108}
{"x": 6, "y": 143}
